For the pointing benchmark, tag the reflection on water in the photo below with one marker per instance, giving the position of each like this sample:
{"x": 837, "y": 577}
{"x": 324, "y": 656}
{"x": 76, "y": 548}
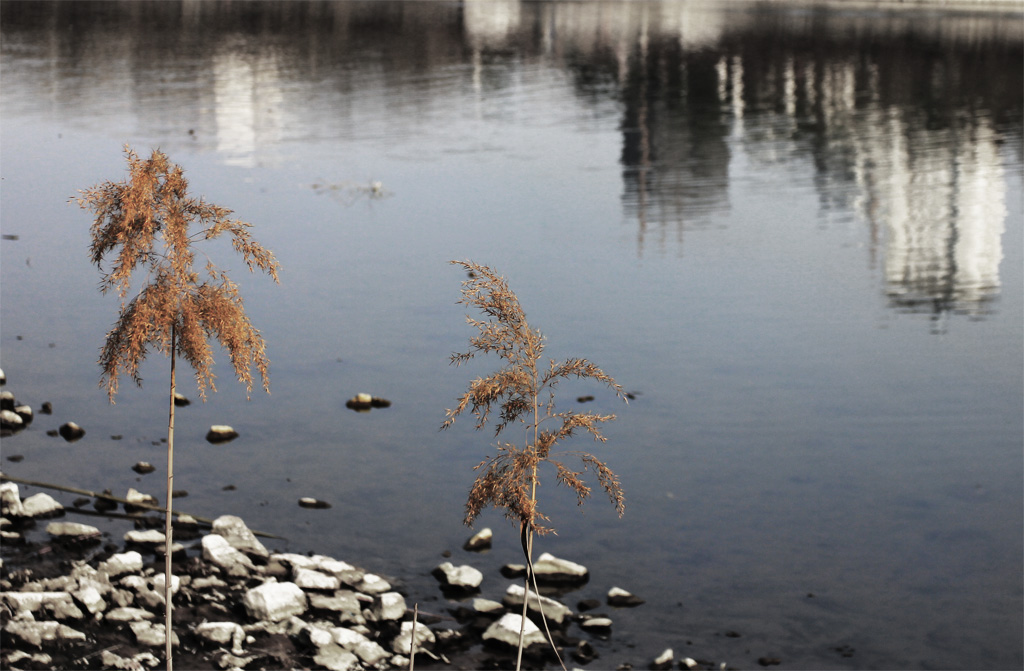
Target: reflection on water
{"x": 903, "y": 120}
{"x": 738, "y": 202}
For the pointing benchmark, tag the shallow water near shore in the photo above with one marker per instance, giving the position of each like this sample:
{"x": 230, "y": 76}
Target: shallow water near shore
{"x": 793, "y": 232}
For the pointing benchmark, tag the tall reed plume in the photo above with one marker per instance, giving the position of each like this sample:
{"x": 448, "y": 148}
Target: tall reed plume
{"x": 522, "y": 392}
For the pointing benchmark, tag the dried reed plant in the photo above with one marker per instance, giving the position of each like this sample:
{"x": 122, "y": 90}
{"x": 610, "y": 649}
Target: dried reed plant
{"x": 522, "y": 392}
{"x": 143, "y": 223}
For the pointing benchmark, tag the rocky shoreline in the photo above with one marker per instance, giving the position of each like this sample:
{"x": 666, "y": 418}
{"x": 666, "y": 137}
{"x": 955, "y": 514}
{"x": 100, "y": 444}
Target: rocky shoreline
{"x": 76, "y": 598}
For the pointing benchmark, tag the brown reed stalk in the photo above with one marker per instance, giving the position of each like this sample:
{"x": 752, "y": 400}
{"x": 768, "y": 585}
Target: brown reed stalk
{"x": 143, "y": 223}
{"x": 514, "y": 394}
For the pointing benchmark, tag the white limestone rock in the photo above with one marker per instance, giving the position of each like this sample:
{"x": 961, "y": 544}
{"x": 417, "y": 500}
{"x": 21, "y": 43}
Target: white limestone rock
{"x": 217, "y": 550}
{"x": 620, "y": 598}
{"x": 403, "y": 643}
{"x": 151, "y": 634}
{"x": 554, "y": 611}
{"x": 36, "y": 633}
{"x": 334, "y": 658}
{"x": 128, "y": 614}
{"x": 223, "y": 633}
{"x": 11, "y": 421}
{"x": 506, "y": 631}
{"x": 91, "y": 599}
{"x": 221, "y": 433}
{"x": 235, "y": 531}
{"x": 74, "y": 530}
{"x": 551, "y": 569}
{"x": 479, "y": 541}
{"x": 122, "y": 563}
{"x": 10, "y": 500}
{"x": 664, "y": 660}
{"x": 459, "y": 577}
{"x": 310, "y": 579}
{"x": 41, "y": 505}
{"x": 388, "y": 606}
{"x": 275, "y": 601}
{"x": 373, "y": 584}
{"x": 487, "y": 606}
{"x": 370, "y": 652}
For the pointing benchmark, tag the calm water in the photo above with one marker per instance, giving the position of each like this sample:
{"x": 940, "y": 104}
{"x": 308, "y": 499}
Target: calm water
{"x": 795, "y": 232}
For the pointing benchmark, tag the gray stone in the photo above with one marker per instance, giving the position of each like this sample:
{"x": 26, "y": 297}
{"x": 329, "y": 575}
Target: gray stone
{"x": 388, "y": 606}
{"x": 229, "y": 661}
{"x": 221, "y": 433}
{"x": 403, "y": 643}
{"x": 70, "y": 431}
{"x": 461, "y": 577}
{"x": 275, "y": 601}
{"x": 217, "y": 550}
{"x": 554, "y": 611}
{"x": 41, "y": 505}
{"x": 234, "y": 530}
{"x": 506, "y": 631}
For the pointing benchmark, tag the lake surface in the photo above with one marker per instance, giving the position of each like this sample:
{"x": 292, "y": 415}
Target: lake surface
{"x": 793, "y": 230}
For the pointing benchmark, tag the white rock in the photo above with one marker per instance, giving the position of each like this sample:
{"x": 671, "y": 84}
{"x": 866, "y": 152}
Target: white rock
{"x": 135, "y": 497}
{"x": 74, "y": 529}
{"x": 239, "y": 535}
{"x": 403, "y": 642}
{"x": 664, "y": 660}
{"x": 549, "y": 568}
{"x": 151, "y": 634}
{"x": 506, "y": 630}
{"x": 369, "y": 651}
{"x": 334, "y": 658}
{"x": 462, "y": 577}
{"x": 160, "y": 581}
{"x": 487, "y": 606}
{"x": 222, "y": 633}
{"x": 128, "y": 614}
{"x": 41, "y": 505}
{"x": 11, "y": 420}
{"x": 481, "y": 540}
{"x": 221, "y": 433}
{"x": 148, "y": 537}
{"x": 33, "y": 602}
{"x": 318, "y": 636}
{"x": 275, "y": 601}
{"x": 310, "y": 579}
{"x": 124, "y": 562}
{"x": 10, "y": 500}
{"x": 343, "y": 603}
{"x": 373, "y": 584}
{"x": 218, "y": 551}
{"x": 91, "y": 599}
{"x": 620, "y": 598}
{"x": 35, "y": 633}
{"x": 690, "y": 663}
{"x": 554, "y": 611}
{"x": 388, "y": 606}
{"x": 596, "y": 623}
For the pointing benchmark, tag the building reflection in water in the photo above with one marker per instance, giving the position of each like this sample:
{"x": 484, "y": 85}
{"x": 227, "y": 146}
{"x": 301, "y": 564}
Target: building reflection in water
{"x": 906, "y": 118}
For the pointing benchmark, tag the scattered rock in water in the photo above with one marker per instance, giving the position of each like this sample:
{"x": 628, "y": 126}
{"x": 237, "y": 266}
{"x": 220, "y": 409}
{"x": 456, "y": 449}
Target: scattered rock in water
{"x": 585, "y": 399}
{"x": 550, "y": 569}
{"x": 11, "y": 421}
{"x": 180, "y": 400}
{"x": 73, "y": 531}
{"x": 70, "y": 432}
{"x": 505, "y": 631}
{"x": 662, "y": 661}
{"x": 364, "y": 402}
{"x": 138, "y": 502}
{"x": 512, "y": 571}
{"x": 555, "y": 612}
{"x": 143, "y": 467}
{"x": 16, "y": 458}
{"x": 46, "y": 408}
{"x": 769, "y": 661}
{"x": 41, "y": 505}
{"x": 598, "y": 625}
{"x": 480, "y": 541}
{"x": 220, "y": 433}
{"x": 584, "y": 653}
{"x": 588, "y": 604}
{"x": 309, "y": 502}
{"x": 103, "y": 505}
{"x": 462, "y": 578}
{"x": 620, "y": 598}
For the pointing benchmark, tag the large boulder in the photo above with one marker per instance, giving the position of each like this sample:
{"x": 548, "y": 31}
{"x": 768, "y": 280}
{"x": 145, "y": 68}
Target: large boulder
{"x": 275, "y": 601}
{"x": 235, "y": 531}
{"x": 217, "y": 550}
{"x": 458, "y": 577}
